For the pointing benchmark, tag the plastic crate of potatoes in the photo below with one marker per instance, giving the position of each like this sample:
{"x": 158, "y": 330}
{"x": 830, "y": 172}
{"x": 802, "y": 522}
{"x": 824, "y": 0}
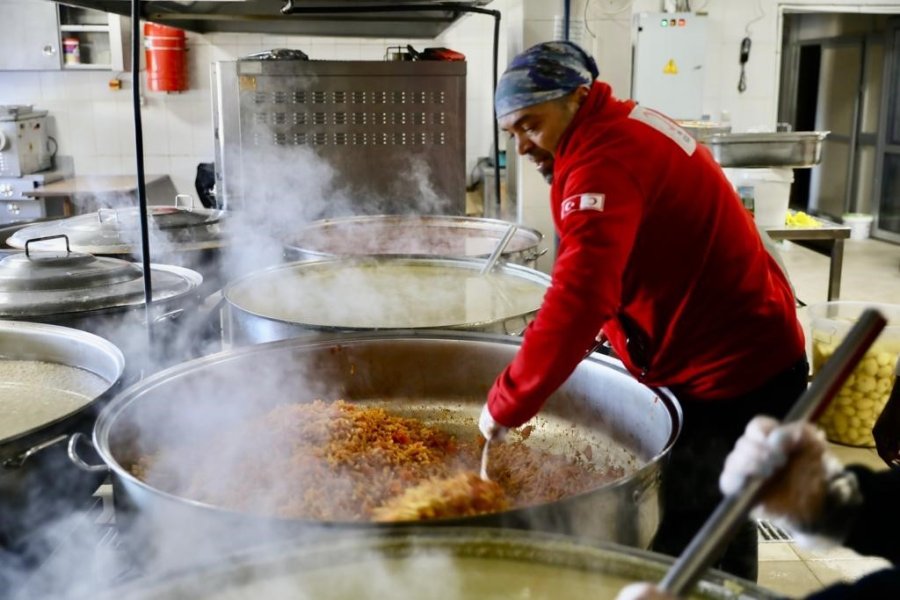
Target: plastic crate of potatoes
{"x": 852, "y": 414}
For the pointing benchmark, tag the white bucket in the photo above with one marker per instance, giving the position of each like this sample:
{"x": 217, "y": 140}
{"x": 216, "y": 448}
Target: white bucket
{"x": 766, "y": 192}
{"x": 860, "y": 225}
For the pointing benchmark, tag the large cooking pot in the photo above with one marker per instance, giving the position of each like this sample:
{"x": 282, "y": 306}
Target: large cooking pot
{"x": 443, "y": 564}
{"x": 182, "y": 235}
{"x": 402, "y": 235}
{"x": 102, "y": 295}
{"x": 362, "y": 294}
{"x": 441, "y": 378}
{"x": 54, "y": 379}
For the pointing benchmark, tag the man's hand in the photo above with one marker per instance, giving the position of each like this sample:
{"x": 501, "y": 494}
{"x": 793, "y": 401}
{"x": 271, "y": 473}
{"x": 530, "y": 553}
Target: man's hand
{"x": 490, "y": 429}
{"x": 798, "y": 453}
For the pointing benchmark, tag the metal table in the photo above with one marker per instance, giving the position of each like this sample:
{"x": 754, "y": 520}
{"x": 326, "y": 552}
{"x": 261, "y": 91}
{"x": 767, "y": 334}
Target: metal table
{"x": 827, "y": 239}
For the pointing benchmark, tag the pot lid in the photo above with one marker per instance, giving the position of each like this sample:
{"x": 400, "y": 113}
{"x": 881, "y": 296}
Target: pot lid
{"x": 117, "y": 231}
{"x": 39, "y": 283}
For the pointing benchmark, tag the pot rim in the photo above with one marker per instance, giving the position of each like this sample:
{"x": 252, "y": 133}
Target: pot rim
{"x": 23, "y": 440}
{"x": 569, "y": 552}
{"x": 478, "y": 223}
{"x": 193, "y": 278}
{"x": 474, "y": 264}
{"x": 108, "y": 417}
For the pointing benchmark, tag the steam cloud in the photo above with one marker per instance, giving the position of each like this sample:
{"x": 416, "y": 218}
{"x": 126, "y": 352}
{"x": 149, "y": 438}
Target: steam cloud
{"x": 286, "y": 190}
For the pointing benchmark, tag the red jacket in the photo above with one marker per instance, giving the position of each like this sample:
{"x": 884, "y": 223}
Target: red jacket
{"x": 656, "y": 246}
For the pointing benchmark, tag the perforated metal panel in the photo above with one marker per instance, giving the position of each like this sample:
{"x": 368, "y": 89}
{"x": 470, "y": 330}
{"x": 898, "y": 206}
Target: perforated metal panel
{"x": 384, "y": 127}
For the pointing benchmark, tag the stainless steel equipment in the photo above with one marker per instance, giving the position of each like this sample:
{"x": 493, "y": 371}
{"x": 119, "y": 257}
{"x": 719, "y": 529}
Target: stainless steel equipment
{"x": 37, "y": 482}
{"x": 440, "y": 378}
{"x": 312, "y": 299}
{"x": 24, "y": 147}
{"x": 392, "y": 132}
{"x": 796, "y": 149}
{"x": 442, "y": 564}
{"x": 16, "y": 203}
{"x": 426, "y": 235}
{"x": 265, "y": 16}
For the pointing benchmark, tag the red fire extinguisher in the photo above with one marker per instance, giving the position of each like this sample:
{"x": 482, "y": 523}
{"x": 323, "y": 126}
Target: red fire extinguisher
{"x": 165, "y": 54}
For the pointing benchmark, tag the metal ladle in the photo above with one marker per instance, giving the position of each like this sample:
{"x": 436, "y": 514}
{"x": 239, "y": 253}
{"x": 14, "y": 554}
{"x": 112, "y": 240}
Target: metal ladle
{"x": 733, "y": 510}
{"x": 487, "y": 268}
{"x": 498, "y": 250}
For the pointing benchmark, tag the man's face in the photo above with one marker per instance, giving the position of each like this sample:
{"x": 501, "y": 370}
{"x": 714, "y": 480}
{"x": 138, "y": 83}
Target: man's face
{"x": 537, "y": 129}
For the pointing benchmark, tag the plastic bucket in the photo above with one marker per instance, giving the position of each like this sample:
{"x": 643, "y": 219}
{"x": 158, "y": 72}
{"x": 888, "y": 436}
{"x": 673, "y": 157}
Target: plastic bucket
{"x": 852, "y": 414}
{"x": 165, "y": 55}
{"x": 766, "y": 193}
{"x": 860, "y": 225}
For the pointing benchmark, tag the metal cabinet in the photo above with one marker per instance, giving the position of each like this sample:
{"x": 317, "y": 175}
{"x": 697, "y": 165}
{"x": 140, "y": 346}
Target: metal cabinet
{"x": 40, "y": 35}
{"x": 30, "y": 37}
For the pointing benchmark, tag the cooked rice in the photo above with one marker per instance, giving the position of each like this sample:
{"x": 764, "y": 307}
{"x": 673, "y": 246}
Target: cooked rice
{"x": 340, "y": 462}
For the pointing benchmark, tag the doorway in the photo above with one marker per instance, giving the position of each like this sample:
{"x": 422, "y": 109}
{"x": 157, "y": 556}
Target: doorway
{"x": 833, "y": 69}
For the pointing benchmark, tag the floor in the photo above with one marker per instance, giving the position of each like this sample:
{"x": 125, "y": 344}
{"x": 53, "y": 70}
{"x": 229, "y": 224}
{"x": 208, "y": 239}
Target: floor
{"x": 871, "y": 273}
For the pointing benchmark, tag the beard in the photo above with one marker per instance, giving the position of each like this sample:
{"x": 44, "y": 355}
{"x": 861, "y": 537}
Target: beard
{"x": 543, "y": 162}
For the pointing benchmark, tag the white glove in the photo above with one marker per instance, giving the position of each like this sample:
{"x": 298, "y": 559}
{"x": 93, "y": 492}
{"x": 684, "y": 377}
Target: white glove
{"x": 642, "y": 591}
{"x": 795, "y": 498}
{"x": 490, "y": 429}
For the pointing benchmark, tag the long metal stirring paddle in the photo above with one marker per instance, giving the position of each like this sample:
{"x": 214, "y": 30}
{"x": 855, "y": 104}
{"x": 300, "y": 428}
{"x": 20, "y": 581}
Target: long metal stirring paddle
{"x": 732, "y": 510}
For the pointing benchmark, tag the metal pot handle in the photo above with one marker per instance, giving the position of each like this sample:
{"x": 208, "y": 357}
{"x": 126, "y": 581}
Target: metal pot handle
{"x": 536, "y": 255}
{"x": 15, "y": 462}
{"x": 100, "y": 215}
{"x": 172, "y": 314}
{"x": 77, "y": 460}
{"x": 190, "y": 206}
{"x": 48, "y": 237}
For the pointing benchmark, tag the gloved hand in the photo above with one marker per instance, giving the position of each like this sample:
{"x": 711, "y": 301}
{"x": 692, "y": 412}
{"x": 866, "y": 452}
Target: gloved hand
{"x": 642, "y": 591}
{"x": 490, "y": 429}
{"x": 796, "y": 497}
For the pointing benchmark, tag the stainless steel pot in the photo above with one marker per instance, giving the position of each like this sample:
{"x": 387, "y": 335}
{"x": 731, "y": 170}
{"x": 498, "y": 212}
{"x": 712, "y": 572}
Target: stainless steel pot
{"x": 310, "y": 299}
{"x": 183, "y": 235}
{"x": 102, "y": 295}
{"x": 399, "y": 235}
{"x": 441, "y": 378}
{"x": 444, "y": 564}
{"x": 37, "y": 482}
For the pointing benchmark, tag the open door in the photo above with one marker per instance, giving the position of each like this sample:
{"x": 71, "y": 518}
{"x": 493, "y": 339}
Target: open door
{"x": 887, "y": 172}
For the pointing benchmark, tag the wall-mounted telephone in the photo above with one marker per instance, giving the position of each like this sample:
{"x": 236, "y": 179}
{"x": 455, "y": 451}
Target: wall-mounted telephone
{"x": 745, "y": 56}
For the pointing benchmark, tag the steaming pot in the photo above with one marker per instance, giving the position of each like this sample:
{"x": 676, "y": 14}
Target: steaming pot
{"x": 37, "y": 481}
{"x": 441, "y": 378}
{"x": 182, "y": 235}
{"x": 102, "y": 295}
{"x": 444, "y": 564}
{"x": 309, "y": 299}
{"x": 399, "y": 235}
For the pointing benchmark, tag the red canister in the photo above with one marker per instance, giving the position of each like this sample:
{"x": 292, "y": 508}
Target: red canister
{"x": 165, "y": 55}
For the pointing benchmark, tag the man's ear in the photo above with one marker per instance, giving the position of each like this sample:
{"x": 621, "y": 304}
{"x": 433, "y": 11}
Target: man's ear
{"x": 581, "y": 93}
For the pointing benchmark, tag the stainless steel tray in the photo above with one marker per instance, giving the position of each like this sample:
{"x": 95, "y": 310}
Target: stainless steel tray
{"x": 783, "y": 149}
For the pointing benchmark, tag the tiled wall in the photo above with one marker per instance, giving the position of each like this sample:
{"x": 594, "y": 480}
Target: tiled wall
{"x": 94, "y": 124}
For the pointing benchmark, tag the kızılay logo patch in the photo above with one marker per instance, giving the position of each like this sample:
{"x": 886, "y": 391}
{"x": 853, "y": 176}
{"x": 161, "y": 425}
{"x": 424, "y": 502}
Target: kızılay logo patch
{"x": 583, "y": 202}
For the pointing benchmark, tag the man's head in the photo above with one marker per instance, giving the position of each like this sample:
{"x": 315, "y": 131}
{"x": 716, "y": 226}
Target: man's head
{"x": 538, "y": 95}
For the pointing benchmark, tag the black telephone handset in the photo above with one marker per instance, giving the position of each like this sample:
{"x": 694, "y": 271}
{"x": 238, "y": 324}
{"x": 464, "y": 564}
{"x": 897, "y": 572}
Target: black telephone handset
{"x": 745, "y": 56}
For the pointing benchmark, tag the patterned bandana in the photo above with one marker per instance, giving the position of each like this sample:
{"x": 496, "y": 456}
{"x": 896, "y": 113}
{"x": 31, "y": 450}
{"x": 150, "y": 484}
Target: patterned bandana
{"x": 544, "y": 72}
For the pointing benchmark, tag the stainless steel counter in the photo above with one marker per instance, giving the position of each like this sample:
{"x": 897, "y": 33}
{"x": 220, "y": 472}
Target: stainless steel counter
{"x": 827, "y": 239}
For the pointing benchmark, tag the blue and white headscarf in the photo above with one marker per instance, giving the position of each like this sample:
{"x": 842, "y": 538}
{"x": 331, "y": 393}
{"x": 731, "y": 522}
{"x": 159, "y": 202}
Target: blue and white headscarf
{"x": 544, "y": 72}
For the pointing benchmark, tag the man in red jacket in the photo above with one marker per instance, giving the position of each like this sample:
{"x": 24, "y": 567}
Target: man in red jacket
{"x": 658, "y": 254}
